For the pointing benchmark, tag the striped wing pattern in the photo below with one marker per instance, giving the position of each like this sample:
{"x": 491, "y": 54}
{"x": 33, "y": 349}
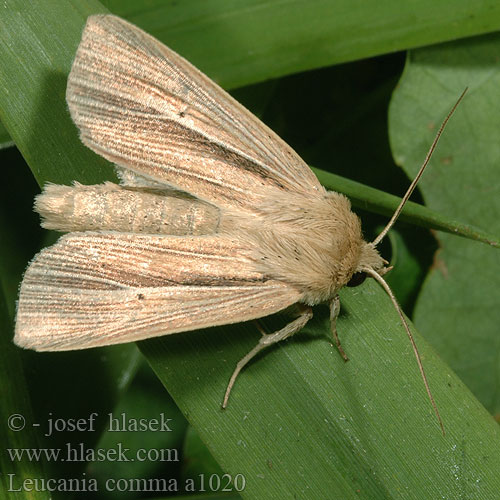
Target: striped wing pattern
{"x": 95, "y": 289}
{"x": 142, "y": 106}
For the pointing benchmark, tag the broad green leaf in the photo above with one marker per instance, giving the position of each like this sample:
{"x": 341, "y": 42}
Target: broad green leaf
{"x": 459, "y": 306}
{"x": 242, "y": 41}
{"x": 300, "y": 421}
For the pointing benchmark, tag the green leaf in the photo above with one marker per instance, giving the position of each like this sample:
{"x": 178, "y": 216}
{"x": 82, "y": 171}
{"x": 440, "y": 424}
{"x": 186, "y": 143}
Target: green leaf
{"x": 242, "y": 41}
{"x": 300, "y": 422}
{"x": 459, "y": 306}
{"x": 37, "y": 51}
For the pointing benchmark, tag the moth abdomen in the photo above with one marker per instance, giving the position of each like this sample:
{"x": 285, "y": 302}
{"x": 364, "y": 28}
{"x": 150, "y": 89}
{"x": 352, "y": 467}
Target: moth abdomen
{"x": 110, "y": 207}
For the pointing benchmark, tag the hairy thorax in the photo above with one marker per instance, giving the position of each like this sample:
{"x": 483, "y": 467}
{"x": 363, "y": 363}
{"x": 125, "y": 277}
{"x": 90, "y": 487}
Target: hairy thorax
{"x": 314, "y": 243}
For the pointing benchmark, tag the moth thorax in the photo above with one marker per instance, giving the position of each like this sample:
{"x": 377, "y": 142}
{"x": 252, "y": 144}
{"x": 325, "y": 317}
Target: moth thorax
{"x": 314, "y": 244}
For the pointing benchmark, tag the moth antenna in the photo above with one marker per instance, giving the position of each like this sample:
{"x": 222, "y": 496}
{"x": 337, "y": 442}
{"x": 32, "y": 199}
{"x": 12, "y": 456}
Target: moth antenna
{"x": 386, "y": 287}
{"x": 414, "y": 183}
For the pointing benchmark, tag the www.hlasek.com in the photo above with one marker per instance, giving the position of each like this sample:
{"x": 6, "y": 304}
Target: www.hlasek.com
{"x": 202, "y": 483}
{"x": 80, "y": 453}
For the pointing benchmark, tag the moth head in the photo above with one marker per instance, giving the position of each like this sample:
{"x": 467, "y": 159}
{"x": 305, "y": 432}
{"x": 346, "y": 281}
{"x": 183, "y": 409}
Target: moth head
{"x": 369, "y": 259}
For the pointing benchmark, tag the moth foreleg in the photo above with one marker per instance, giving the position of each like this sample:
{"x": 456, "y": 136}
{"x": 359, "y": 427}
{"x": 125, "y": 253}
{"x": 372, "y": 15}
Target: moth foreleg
{"x": 267, "y": 340}
{"x": 334, "y": 313}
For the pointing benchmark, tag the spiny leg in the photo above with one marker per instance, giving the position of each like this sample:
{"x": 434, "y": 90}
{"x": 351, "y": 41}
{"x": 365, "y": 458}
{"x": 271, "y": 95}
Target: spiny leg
{"x": 334, "y": 313}
{"x": 267, "y": 340}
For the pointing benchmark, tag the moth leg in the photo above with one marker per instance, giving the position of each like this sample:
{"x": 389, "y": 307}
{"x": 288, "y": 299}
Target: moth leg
{"x": 334, "y": 313}
{"x": 267, "y": 340}
{"x": 260, "y": 327}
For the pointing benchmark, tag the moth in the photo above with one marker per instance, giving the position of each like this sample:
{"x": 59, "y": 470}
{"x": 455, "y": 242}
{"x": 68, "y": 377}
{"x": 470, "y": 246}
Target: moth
{"x": 215, "y": 221}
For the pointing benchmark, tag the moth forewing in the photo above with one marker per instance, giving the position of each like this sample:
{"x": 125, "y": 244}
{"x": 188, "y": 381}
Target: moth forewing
{"x": 141, "y": 105}
{"x": 100, "y": 288}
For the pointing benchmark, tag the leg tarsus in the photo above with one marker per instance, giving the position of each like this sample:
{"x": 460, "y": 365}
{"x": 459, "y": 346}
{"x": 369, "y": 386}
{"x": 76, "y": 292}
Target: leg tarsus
{"x": 265, "y": 341}
{"x": 334, "y": 313}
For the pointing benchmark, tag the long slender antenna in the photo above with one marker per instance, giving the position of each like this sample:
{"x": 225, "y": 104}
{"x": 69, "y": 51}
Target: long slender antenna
{"x": 385, "y": 286}
{"x": 377, "y": 240}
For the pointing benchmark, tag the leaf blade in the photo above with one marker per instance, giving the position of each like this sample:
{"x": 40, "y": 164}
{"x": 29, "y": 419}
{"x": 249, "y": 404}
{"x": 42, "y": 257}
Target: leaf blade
{"x": 384, "y": 432}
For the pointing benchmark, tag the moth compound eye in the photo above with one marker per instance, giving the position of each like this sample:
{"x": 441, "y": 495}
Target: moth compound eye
{"x": 356, "y": 279}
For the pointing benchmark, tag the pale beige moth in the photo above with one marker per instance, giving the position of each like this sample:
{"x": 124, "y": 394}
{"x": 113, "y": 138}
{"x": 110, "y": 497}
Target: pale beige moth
{"x": 215, "y": 221}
